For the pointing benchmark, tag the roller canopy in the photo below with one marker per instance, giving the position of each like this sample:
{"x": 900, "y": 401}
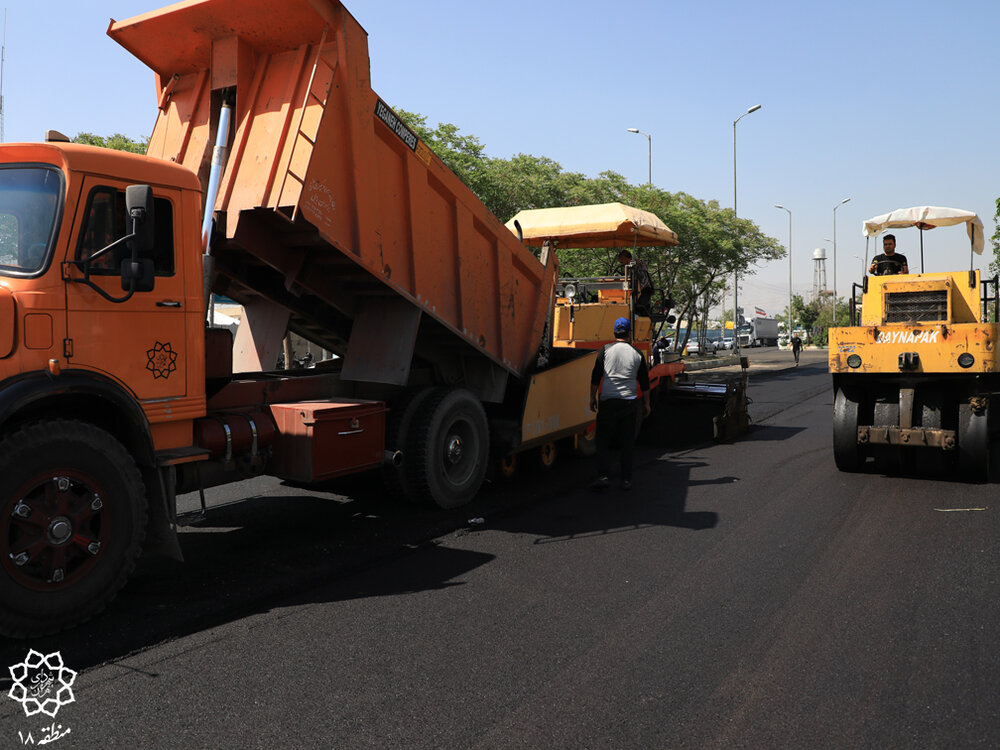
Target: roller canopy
{"x": 604, "y": 225}
{"x": 928, "y": 217}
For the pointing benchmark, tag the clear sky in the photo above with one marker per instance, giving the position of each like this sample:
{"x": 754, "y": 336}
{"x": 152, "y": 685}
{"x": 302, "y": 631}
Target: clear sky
{"x": 891, "y": 103}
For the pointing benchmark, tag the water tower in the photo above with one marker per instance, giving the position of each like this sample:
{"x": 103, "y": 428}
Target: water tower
{"x": 819, "y": 273}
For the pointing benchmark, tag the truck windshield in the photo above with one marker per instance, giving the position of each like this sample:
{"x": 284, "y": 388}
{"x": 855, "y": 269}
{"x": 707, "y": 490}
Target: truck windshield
{"x": 29, "y": 204}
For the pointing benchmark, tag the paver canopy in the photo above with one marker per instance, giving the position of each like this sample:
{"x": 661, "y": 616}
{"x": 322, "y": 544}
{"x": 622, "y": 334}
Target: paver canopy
{"x": 601, "y": 225}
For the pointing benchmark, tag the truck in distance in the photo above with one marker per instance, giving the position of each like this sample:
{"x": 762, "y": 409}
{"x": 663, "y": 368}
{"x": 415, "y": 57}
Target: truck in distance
{"x": 758, "y": 332}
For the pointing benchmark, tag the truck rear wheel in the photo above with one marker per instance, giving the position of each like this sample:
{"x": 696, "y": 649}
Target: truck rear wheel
{"x": 846, "y": 452}
{"x": 402, "y": 423}
{"x": 72, "y": 523}
{"x": 448, "y": 449}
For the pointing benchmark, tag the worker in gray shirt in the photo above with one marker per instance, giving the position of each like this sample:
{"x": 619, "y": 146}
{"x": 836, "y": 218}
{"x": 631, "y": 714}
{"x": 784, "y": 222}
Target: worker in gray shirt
{"x": 620, "y": 371}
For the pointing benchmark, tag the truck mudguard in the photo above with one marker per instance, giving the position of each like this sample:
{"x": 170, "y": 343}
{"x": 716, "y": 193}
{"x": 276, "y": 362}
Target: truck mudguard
{"x": 104, "y": 402}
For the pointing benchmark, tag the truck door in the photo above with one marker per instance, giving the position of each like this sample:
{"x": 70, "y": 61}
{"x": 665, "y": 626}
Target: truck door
{"x": 140, "y": 342}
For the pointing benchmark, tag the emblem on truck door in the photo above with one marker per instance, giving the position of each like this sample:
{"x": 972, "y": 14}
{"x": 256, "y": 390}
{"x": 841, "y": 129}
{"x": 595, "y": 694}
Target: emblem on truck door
{"x": 162, "y": 360}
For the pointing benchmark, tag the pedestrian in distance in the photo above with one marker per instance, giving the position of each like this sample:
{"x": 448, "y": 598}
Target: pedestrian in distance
{"x": 796, "y": 348}
{"x": 888, "y": 262}
{"x": 619, "y": 372}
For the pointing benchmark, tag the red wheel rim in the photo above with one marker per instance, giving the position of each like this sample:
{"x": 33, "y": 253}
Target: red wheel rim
{"x": 55, "y": 530}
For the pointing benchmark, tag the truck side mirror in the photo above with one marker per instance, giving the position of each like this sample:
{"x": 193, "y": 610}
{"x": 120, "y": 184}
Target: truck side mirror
{"x": 139, "y": 204}
{"x": 138, "y": 275}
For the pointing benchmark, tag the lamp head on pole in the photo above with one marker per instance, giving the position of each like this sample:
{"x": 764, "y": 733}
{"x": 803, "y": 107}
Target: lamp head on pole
{"x": 752, "y": 109}
{"x": 632, "y": 130}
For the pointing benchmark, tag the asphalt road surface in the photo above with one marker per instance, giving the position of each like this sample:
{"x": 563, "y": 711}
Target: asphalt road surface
{"x": 744, "y": 594}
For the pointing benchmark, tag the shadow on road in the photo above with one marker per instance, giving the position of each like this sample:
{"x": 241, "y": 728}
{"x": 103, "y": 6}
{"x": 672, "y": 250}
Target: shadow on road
{"x": 658, "y": 498}
{"x": 252, "y": 556}
{"x": 770, "y": 433}
{"x": 263, "y": 553}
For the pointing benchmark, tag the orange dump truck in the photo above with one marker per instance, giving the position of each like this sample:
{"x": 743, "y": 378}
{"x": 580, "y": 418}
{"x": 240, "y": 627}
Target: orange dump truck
{"x": 274, "y": 176}
{"x": 277, "y": 177}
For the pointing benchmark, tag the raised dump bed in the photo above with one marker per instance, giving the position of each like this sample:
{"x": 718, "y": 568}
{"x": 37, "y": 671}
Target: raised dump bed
{"x": 333, "y": 218}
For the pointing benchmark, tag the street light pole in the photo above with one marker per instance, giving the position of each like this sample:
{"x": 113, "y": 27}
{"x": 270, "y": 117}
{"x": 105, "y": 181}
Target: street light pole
{"x": 788, "y": 331}
{"x": 736, "y": 273}
{"x": 649, "y": 143}
{"x": 835, "y": 258}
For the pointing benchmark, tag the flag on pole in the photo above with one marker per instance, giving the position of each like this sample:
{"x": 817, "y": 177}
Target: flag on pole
{"x": 760, "y": 313}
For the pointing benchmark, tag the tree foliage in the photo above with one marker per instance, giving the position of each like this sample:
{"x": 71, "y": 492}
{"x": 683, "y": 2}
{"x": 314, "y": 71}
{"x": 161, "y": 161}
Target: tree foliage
{"x": 995, "y": 264}
{"x": 714, "y": 242}
{"x": 817, "y": 316}
{"x": 118, "y": 142}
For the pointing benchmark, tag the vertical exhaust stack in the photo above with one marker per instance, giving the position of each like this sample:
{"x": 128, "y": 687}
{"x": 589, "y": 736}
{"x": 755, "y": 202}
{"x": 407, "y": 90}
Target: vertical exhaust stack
{"x": 215, "y": 176}
{"x": 212, "y": 193}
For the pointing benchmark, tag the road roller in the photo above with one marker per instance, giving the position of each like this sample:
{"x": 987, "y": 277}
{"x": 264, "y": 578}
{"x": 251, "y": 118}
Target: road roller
{"x": 915, "y": 374}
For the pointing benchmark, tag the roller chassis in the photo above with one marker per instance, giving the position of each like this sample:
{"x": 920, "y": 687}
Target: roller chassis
{"x": 916, "y": 375}
{"x": 936, "y": 420}
{"x": 910, "y": 400}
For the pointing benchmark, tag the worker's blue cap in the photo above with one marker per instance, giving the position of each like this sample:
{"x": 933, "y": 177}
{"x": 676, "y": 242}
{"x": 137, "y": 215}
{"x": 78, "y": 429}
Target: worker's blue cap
{"x": 622, "y": 325}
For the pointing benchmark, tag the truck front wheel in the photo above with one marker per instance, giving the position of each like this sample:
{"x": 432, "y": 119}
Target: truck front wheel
{"x": 72, "y": 523}
{"x": 447, "y": 456}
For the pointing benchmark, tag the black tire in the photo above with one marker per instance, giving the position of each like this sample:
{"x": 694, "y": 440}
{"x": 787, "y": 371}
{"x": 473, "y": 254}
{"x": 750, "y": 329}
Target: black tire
{"x": 973, "y": 444}
{"x": 72, "y": 523}
{"x": 506, "y": 467}
{"x": 546, "y": 455}
{"x": 402, "y": 418}
{"x": 889, "y": 459}
{"x": 585, "y": 444}
{"x": 448, "y": 449}
{"x": 846, "y": 452}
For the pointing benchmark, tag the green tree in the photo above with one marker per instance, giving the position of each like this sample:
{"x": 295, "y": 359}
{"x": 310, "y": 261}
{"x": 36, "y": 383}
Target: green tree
{"x": 816, "y": 317}
{"x": 806, "y": 313}
{"x": 995, "y": 263}
{"x": 714, "y": 242}
{"x": 117, "y": 142}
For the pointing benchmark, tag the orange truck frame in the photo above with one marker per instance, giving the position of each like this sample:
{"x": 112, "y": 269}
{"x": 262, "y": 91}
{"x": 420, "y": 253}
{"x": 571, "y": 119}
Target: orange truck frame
{"x": 322, "y": 214}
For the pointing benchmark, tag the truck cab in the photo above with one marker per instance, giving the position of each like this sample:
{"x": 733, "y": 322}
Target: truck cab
{"x": 67, "y": 305}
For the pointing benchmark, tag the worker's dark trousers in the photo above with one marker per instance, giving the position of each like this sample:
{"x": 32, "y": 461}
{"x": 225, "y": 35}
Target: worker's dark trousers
{"x": 616, "y": 419}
